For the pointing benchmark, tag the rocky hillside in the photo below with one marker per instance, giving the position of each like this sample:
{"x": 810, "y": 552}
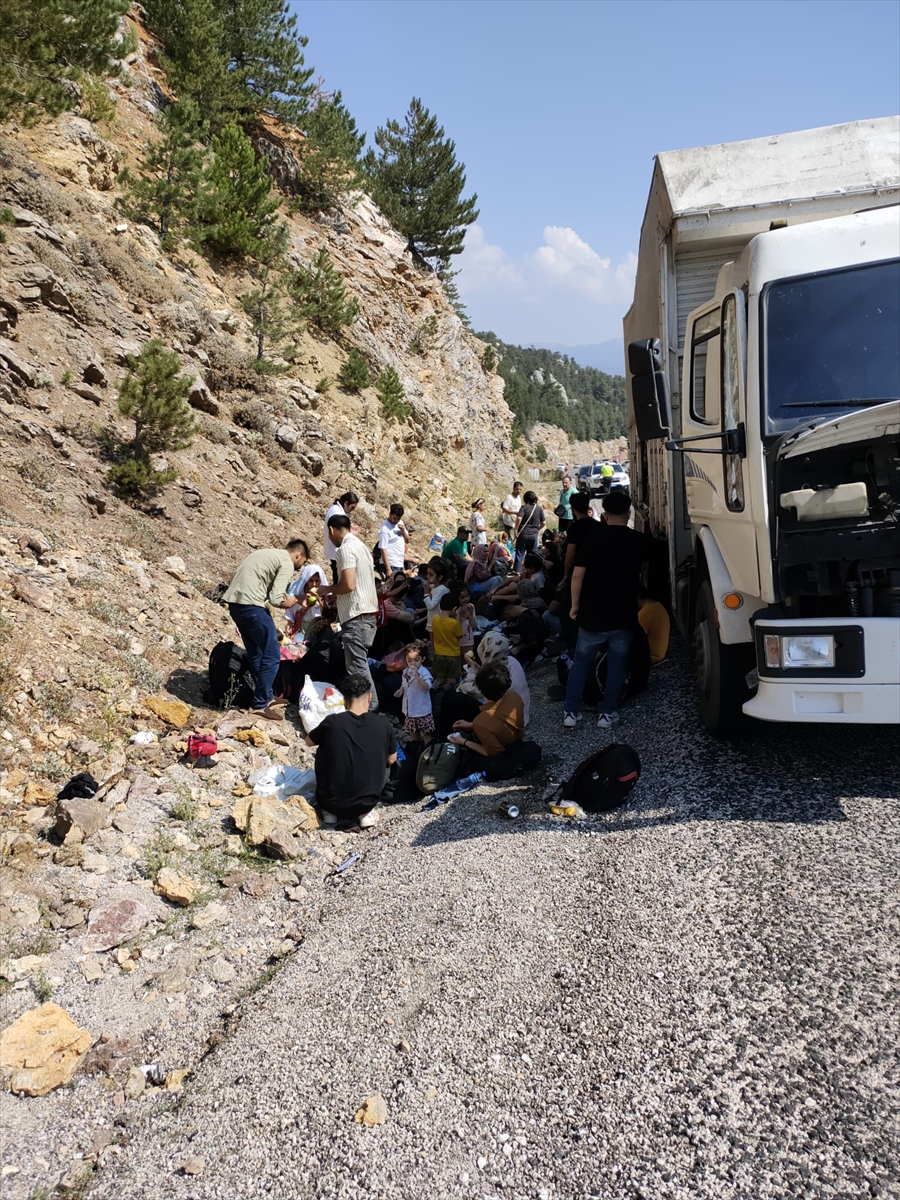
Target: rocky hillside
{"x": 104, "y": 628}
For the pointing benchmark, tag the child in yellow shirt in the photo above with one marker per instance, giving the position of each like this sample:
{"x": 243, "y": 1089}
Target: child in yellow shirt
{"x": 447, "y": 634}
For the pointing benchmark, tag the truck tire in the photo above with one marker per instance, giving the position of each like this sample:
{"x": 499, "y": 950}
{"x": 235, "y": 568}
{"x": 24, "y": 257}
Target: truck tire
{"x": 721, "y": 670}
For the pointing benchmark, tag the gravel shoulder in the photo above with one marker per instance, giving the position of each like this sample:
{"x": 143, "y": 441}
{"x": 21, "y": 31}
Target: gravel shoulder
{"x": 693, "y": 997}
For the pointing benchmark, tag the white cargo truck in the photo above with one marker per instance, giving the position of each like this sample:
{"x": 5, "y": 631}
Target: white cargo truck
{"x": 764, "y": 418}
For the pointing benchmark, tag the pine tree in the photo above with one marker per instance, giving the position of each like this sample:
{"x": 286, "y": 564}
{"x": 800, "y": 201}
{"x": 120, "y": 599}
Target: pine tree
{"x": 329, "y": 160}
{"x": 237, "y": 58}
{"x": 354, "y": 374}
{"x": 418, "y": 184}
{"x": 45, "y": 45}
{"x": 264, "y": 54}
{"x": 163, "y": 192}
{"x": 392, "y": 396}
{"x": 153, "y": 394}
{"x": 451, "y": 291}
{"x": 321, "y": 297}
{"x": 272, "y": 319}
{"x": 236, "y": 203}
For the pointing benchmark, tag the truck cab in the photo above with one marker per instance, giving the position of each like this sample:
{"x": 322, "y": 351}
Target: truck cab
{"x": 766, "y": 455}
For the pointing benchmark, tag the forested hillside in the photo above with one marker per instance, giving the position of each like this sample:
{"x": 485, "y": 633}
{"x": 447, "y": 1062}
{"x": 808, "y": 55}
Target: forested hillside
{"x": 543, "y": 385}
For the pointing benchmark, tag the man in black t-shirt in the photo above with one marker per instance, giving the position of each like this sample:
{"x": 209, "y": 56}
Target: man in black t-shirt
{"x": 355, "y": 750}
{"x": 604, "y": 605}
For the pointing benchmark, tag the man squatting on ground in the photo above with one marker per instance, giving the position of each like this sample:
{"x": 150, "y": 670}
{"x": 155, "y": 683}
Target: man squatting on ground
{"x": 355, "y": 750}
{"x": 356, "y": 598}
{"x": 262, "y": 578}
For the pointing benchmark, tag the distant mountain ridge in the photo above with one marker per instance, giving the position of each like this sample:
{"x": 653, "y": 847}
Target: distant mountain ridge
{"x": 604, "y": 356}
{"x": 542, "y": 385}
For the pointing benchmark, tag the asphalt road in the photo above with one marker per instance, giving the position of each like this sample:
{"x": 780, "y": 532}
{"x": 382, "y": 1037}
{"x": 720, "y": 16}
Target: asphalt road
{"x": 695, "y": 997}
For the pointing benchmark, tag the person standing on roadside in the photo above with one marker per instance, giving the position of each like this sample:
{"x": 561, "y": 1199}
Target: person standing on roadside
{"x": 605, "y": 585}
{"x": 529, "y": 523}
{"x": 356, "y": 598}
{"x": 262, "y": 579}
{"x": 344, "y": 506}
{"x": 509, "y": 509}
{"x": 393, "y": 537}
{"x": 479, "y": 525}
{"x": 564, "y": 507}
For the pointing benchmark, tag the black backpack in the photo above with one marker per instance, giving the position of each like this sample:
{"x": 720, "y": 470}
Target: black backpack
{"x": 636, "y": 679}
{"x": 605, "y": 780}
{"x": 231, "y": 683}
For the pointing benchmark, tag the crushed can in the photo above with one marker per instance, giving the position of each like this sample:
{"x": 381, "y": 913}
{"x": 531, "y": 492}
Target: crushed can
{"x": 509, "y": 810}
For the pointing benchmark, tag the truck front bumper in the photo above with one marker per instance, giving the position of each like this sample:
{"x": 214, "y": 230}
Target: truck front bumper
{"x": 862, "y": 688}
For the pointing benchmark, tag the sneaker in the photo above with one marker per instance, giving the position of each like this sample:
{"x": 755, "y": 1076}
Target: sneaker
{"x": 328, "y": 818}
{"x": 367, "y": 820}
{"x": 607, "y": 720}
{"x": 570, "y": 720}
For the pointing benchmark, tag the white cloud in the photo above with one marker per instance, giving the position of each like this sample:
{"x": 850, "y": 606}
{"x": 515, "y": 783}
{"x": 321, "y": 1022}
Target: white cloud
{"x": 567, "y": 261}
{"x": 564, "y": 263}
{"x": 484, "y": 267}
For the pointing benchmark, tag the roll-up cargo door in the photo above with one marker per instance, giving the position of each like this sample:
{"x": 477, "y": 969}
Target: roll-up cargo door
{"x": 696, "y": 272}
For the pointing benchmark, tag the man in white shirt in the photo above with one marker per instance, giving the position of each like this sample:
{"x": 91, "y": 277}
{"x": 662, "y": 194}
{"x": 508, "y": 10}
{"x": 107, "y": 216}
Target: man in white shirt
{"x": 509, "y": 509}
{"x": 355, "y": 596}
{"x": 392, "y": 538}
{"x": 344, "y": 506}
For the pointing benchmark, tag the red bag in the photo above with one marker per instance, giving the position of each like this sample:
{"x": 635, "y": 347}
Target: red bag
{"x": 201, "y": 745}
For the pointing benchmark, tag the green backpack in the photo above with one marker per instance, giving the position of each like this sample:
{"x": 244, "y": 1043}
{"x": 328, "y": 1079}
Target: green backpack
{"x": 437, "y": 767}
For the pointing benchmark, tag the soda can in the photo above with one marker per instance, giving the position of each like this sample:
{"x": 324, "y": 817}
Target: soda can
{"x": 509, "y": 810}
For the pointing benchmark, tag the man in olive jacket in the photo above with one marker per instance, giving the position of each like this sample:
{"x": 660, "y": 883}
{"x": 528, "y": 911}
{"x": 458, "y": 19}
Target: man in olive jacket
{"x": 262, "y": 579}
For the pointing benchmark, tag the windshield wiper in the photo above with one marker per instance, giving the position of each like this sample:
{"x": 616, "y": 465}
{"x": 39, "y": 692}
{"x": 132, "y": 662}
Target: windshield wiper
{"x": 869, "y": 403}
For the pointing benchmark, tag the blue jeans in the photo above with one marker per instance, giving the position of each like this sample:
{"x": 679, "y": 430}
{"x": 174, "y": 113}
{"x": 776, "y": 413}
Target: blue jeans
{"x": 260, "y": 638}
{"x": 618, "y": 643}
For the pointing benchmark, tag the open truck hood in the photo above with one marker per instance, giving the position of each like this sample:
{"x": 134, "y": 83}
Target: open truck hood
{"x": 862, "y": 425}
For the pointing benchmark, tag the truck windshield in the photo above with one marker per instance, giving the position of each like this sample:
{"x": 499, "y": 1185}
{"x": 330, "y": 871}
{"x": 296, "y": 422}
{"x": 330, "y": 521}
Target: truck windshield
{"x": 831, "y": 344}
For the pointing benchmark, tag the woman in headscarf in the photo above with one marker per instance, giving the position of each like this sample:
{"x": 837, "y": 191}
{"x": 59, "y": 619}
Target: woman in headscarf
{"x": 478, "y": 572}
{"x": 495, "y": 646}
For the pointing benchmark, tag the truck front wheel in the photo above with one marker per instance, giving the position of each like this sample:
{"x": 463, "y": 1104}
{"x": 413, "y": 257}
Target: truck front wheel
{"x": 721, "y": 670}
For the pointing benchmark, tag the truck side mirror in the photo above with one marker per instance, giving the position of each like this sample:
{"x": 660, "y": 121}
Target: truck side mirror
{"x": 649, "y": 390}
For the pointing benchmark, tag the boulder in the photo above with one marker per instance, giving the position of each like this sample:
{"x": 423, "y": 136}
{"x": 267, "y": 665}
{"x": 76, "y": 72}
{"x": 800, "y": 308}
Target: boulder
{"x": 18, "y": 969}
{"x": 79, "y": 818}
{"x": 281, "y": 843}
{"x": 42, "y": 1050}
{"x": 225, "y": 319}
{"x": 95, "y": 372}
{"x": 220, "y": 970}
{"x": 115, "y": 921}
{"x": 210, "y": 914}
{"x": 28, "y": 593}
{"x": 303, "y": 814}
{"x": 174, "y": 886}
{"x": 265, "y": 813}
{"x": 173, "y": 712}
{"x": 86, "y": 392}
{"x": 200, "y": 397}
{"x": 175, "y": 565}
{"x": 287, "y": 436}
{"x": 21, "y": 371}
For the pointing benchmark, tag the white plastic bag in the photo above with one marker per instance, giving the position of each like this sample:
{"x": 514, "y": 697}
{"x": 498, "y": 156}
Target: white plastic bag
{"x": 283, "y": 781}
{"x": 317, "y": 701}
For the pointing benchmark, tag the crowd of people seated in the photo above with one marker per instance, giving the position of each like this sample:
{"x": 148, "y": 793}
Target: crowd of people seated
{"x": 440, "y": 648}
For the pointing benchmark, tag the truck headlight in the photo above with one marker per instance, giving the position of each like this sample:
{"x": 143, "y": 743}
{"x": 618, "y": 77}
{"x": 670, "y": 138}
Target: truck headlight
{"x": 805, "y": 650}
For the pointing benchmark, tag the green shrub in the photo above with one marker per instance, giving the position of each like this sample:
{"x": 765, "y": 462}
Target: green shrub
{"x": 489, "y": 360}
{"x": 6, "y": 218}
{"x": 392, "y": 396}
{"x": 320, "y": 295}
{"x": 154, "y": 395}
{"x": 354, "y": 374}
{"x": 540, "y": 453}
{"x": 324, "y": 384}
{"x": 96, "y": 103}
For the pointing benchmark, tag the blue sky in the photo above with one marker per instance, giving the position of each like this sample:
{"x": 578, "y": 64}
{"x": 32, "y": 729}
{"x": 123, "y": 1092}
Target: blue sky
{"x": 557, "y": 109}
